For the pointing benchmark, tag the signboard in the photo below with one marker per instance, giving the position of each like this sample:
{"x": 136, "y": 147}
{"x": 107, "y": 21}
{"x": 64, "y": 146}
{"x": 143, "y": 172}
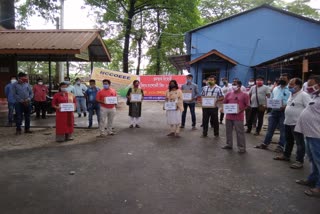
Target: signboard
{"x": 231, "y": 108}
{"x": 187, "y": 95}
{"x": 67, "y": 107}
{"x": 208, "y": 102}
{"x": 111, "y": 100}
{"x": 274, "y": 103}
{"x": 170, "y": 106}
{"x": 135, "y": 97}
{"x": 155, "y": 86}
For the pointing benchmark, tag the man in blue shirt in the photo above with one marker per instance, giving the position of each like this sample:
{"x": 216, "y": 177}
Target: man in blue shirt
{"x": 10, "y": 99}
{"x": 22, "y": 93}
{"x": 93, "y": 105}
{"x": 277, "y": 116}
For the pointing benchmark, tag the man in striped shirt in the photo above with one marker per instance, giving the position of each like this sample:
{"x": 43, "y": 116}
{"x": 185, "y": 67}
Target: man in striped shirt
{"x": 211, "y": 90}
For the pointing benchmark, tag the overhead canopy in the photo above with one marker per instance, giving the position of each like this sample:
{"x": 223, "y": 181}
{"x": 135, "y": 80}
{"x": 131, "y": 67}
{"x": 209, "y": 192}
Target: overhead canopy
{"x": 180, "y": 62}
{"x": 216, "y": 53}
{"x": 54, "y": 45}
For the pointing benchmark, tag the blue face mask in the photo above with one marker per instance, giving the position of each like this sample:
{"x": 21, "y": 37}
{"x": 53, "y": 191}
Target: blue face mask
{"x": 189, "y": 81}
{"x": 292, "y": 90}
{"x": 106, "y": 86}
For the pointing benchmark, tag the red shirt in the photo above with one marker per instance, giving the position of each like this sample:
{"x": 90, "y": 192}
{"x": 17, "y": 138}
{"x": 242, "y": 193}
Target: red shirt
{"x": 106, "y": 93}
{"x": 242, "y": 99}
{"x": 40, "y": 92}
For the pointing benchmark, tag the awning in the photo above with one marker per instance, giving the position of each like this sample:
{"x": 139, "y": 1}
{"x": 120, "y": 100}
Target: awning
{"x": 180, "y": 62}
{"x": 216, "y": 53}
{"x": 54, "y": 45}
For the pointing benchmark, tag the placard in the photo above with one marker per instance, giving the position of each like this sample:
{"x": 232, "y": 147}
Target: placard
{"x": 231, "y": 108}
{"x": 187, "y": 95}
{"x": 170, "y": 106}
{"x": 208, "y": 102}
{"x": 135, "y": 97}
{"x": 111, "y": 100}
{"x": 67, "y": 107}
{"x": 274, "y": 103}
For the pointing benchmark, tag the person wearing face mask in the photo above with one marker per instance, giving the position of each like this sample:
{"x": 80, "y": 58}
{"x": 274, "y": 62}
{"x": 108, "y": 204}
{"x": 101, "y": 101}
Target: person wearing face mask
{"x": 235, "y": 121}
{"x": 64, "y": 119}
{"x": 297, "y": 102}
{"x": 93, "y": 105}
{"x": 80, "y": 92}
{"x": 311, "y": 86}
{"x": 227, "y": 87}
{"x": 135, "y": 107}
{"x": 40, "y": 92}
{"x": 308, "y": 125}
{"x": 10, "y": 100}
{"x": 22, "y": 93}
{"x": 212, "y": 90}
{"x": 190, "y": 86}
{"x": 174, "y": 94}
{"x": 107, "y": 111}
{"x": 258, "y": 95}
{"x": 276, "y": 118}
{"x": 70, "y": 87}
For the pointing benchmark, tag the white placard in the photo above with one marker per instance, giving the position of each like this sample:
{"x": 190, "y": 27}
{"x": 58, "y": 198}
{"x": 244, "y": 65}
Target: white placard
{"x": 66, "y": 107}
{"x": 208, "y": 102}
{"x": 274, "y": 103}
{"x": 135, "y": 97}
{"x": 231, "y": 108}
{"x": 111, "y": 100}
{"x": 170, "y": 106}
{"x": 187, "y": 95}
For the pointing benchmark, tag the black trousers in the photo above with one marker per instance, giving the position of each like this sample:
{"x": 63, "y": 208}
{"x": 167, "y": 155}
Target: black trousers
{"x": 40, "y": 106}
{"x": 255, "y": 113}
{"x": 207, "y": 114}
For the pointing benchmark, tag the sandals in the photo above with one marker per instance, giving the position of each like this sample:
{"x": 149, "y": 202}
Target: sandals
{"x": 296, "y": 165}
{"x": 281, "y": 158}
{"x": 312, "y": 193}
{"x": 171, "y": 134}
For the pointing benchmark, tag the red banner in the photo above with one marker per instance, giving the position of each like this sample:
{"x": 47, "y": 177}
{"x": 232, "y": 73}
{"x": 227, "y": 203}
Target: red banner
{"x": 155, "y": 86}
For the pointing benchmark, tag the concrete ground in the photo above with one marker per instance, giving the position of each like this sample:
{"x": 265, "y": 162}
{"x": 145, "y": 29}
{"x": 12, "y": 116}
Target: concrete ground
{"x": 145, "y": 172}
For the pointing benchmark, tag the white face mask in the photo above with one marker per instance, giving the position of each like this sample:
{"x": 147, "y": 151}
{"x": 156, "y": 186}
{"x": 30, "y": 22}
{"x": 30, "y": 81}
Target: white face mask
{"x": 13, "y": 81}
{"x": 40, "y": 83}
{"x": 63, "y": 89}
{"x": 251, "y": 83}
{"x": 235, "y": 87}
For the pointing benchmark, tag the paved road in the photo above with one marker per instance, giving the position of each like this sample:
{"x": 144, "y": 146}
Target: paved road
{"x": 145, "y": 172}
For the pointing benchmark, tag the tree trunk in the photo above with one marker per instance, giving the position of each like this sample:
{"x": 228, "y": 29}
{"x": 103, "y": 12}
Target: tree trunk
{"x": 158, "y": 68}
{"x": 7, "y": 14}
{"x": 128, "y": 28}
{"x": 139, "y": 40}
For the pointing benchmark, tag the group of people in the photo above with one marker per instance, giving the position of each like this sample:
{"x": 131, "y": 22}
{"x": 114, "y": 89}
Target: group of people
{"x": 294, "y": 109}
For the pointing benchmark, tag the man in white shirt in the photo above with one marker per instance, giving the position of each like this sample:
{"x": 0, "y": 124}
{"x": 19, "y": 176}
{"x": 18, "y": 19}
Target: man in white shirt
{"x": 226, "y": 88}
{"x": 297, "y": 102}
{"x": 79, "y": 92}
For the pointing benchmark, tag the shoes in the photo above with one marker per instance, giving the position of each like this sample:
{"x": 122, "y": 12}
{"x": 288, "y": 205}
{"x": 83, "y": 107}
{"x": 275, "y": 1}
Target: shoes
{"x": 201, "y": 125}
{"x": 101, "y": 136}
{"x": 181, "y": 127}
{"x": 177, "y": 135}
{"x": 137, "y": 126}
{"x": 296, "y": 165}
{"x": 256, "y": 134}
{"x": 170, "y": 134}
{"x": 281, "y": 158}
{"x": 242, "y": 151}
{"x": 313, "y": 192}
{"x": 18, "y": 132}
{"x": 204, "y": 136}
{"x": 44, "y": 117}
{"x": 216, "y": 135}
{"x": 279, "y": 149}
{"x": 79, "y": 115}
{"x": 84, "y": 114}
{"x": 261, "y": 146}
{"x": 227, "y": 147}
{"x": 69, "y": 139}
{"x": 131, "y": 126}
{"x": 194, "y": 128}
{"x": 248, "y": 131}
{"x": 90, "y": 126}
{"x": 221, "y": 122}
{"x": 306, "y": 183}
{"x": 28, "y": 131}
{"x": 112, "y": 133}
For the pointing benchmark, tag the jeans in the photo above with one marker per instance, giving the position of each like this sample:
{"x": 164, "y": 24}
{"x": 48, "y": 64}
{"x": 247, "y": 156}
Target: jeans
{"x": 210, "y": 114}
{"x": 276, "y": 118}
{"x": 292, "y": 136}
{"x": 255, "y": 113}
{"x": 192, "y": 111}
{"x": 10, "y": 113}
{"x": 81, "y": 104}
{"x": 93, "y": 107}
{"x": 313, "y": 150}
{"x": 40, "y": 106}
{"x": 23, "y": 110}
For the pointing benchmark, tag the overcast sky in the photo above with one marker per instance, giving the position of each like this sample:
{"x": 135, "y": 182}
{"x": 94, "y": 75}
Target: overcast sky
{"x": 76, "y": 16}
